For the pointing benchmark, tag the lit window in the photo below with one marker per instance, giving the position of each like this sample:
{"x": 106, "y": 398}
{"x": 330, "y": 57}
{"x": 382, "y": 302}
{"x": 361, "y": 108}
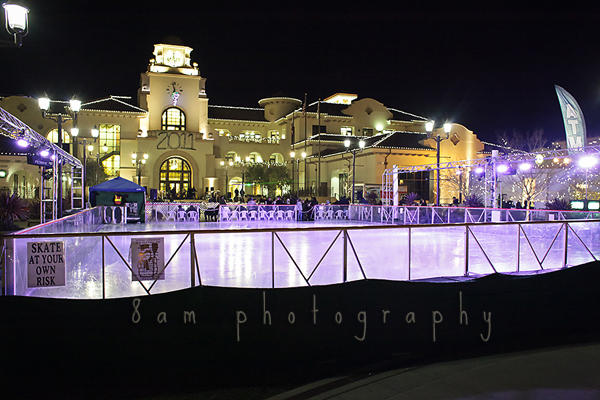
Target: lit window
{"x": 175, "y": 176}
{"x": 53, "y": 136}
{"x": 346, "y": 130}
{"x": 110, "y": 138}
{"x": 231, "y": 156}
{"x": 255, "y": 157}
{"x": 173, "y": 119}
{"x": 112, "y": 164}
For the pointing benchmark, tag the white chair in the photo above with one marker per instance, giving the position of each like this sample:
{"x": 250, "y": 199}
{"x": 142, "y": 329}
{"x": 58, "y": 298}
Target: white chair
{"x": 279, "y": 216}
{"x": 289, "y": 215}
{"x": 172, "y": 215}
{"x": 225, "y": 213}
{"x": 234, "y": 215}
{"x": 262, "y": 215}
{"x": 329, "y": 214}
{"x": 319, "y": 213}
{"x": 181, "y": 216}
{"x": 271, "y": 216}
{"x": 192, "y": 216}
{"x": 339, "y": 214}
{"x": 252, "y": 215}
{"x": 243, "y": 215}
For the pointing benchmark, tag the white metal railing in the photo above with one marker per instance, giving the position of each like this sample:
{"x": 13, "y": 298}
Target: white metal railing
{"x": 100, "y": 267}
{"x": 417, "y": 215}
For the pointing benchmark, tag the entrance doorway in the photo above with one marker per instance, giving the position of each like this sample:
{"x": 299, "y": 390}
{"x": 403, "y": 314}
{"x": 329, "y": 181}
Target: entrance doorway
{"x": 175, "y": 177}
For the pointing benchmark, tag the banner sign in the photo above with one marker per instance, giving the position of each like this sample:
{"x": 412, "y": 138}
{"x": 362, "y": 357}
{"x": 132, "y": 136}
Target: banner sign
{"x": 147, "y": 259}
{"x": 573, "y": 119}
{"x": 45, "y": 264}
{"x": 34, "y": 159}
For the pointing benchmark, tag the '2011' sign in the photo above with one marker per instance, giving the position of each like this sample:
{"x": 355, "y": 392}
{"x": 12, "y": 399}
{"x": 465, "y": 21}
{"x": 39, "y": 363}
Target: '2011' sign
{"x": 175, "y": 140}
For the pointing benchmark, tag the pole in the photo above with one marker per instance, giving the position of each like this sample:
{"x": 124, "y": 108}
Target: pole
{"x": 437, "y": 179}
{"x": 59, "y": 186}
{"x": 319, "y": 146}
{"x": 83, "y": 172}
{"x": 353, "y": 172}
{"x": 586, "y": 186}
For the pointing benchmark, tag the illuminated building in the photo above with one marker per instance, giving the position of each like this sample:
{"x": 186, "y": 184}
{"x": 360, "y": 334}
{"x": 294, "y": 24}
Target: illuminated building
{"x": 191, "y": 143}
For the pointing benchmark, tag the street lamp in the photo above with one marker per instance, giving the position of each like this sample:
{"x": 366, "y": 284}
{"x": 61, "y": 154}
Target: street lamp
{"x": 361, "y": 146}
{"x": 60, "y": 117}
{"x": 139, "y": 160}
{"x": 429, "y": 125}
{"x": 16, "y": 22}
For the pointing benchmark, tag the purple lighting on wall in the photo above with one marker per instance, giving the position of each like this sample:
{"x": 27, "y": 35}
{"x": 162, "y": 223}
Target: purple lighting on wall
{"x": 22, "y": 143}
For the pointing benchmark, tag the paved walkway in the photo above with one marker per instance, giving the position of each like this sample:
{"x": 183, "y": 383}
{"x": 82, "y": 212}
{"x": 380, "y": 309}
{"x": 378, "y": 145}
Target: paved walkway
{"x": 571, "y": 372}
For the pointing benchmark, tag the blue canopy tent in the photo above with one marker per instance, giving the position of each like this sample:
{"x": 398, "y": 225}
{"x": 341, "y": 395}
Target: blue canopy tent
{"x": 120, "y": 192}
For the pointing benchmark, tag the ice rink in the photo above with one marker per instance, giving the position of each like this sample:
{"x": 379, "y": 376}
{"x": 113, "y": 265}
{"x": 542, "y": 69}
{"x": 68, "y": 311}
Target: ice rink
{"x": 249, "y": 254}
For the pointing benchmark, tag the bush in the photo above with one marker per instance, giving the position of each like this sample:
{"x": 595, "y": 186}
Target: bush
{"x": 411, "y": 199}
{"x": 12, "y": 208}
{"x": 558, "y": 204}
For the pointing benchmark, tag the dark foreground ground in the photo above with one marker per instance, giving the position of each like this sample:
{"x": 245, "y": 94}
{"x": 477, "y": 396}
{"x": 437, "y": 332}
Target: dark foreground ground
{"x": 567, "y": 372}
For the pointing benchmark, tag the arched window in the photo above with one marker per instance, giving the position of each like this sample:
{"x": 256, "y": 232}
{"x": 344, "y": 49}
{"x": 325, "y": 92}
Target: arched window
{"x": 66, "y": 139}
{"x": 276, "y": 158}
{"x": 173, "y": 119}
{"x": 175, "y": 175}
{"x": 232, "y": 156}
{"x": 255, "y": 157}
{"x": 53, "y": 136}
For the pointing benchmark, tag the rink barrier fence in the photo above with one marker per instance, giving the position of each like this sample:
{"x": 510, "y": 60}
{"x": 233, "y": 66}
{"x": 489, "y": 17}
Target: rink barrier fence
{"x": 569, "y": 237}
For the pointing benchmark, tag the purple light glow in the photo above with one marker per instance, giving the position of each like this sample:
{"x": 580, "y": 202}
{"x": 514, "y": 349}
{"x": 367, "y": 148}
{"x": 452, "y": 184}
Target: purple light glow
{"x": 502, "y": 168}
{"x": 22, "y": 143}
{"x": 44, "y": 153}
{"x": 587, "y": 161}
{"x": 479, "y": 170}
{"x": 524, "y": 166}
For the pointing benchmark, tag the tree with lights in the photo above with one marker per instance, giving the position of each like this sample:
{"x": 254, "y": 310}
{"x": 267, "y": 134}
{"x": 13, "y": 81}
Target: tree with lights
{"x": 267, "y": 175}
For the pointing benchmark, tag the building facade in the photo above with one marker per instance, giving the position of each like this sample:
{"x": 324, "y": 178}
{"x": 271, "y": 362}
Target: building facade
{"x": 174, "y": 140}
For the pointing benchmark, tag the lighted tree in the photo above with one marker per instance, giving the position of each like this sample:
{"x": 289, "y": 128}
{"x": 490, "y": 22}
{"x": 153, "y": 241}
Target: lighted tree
{"x": 531, "y": 181}
{"x": 94, "y": 173}
{"x": 268, "y": 175}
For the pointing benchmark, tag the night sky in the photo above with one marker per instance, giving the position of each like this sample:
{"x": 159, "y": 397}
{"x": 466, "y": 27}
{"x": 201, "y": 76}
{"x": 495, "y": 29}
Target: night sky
{"x": 489, "y": 67}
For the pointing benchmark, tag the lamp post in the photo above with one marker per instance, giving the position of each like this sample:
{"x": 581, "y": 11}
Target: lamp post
{"x": 303, "y": 155}
{"x": 429, "y": 125}
{"x": 59, "y": 117}
{"x": 459, "y": 172}
{"x": 293, "y": 157}
{"x": 85, "y": 149}
{"x": 227, "y": 164}
{"x": 139, "y": 160}
{"x": 361, "y": 145}
{"x": 16, "y": 22}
